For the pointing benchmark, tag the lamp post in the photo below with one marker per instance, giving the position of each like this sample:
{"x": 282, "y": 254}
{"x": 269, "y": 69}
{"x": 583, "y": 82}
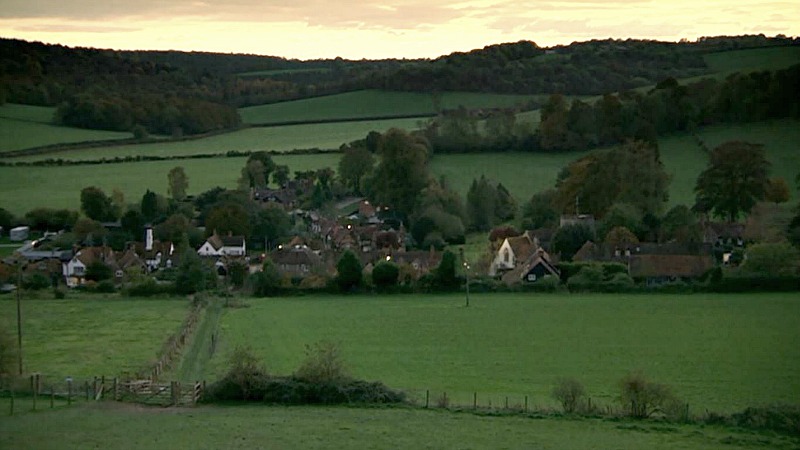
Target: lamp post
{"x": 465, "y": 264}
{"x": 19, "y": 316}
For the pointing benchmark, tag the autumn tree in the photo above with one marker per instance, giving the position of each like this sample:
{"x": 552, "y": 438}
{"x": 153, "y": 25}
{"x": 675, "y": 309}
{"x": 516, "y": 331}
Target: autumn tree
{"x": 228, "y": 218}
{"x": 735, "y": 179}
{"x": 178, "y": 183}
{"x": 777, "y": 190}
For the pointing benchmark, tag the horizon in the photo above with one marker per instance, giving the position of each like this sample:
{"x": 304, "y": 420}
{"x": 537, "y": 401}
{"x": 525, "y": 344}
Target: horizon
{"x": 405, "y": 29}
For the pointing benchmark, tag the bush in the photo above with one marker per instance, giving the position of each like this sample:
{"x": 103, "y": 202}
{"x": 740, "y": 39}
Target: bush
{"x": 385, "y": 275}
{"x": 149, "y": 288}
{"x": 569, "y": 392}
{"x": 36, "y": 282}
{"x": 641, "y": 398}
{"x": 105, "y": 286}
{"x": 58, "y": 294}
{"x": 323, "y": 364}
{"x": 548, "y": 283}
{"x": 780, "y": 418}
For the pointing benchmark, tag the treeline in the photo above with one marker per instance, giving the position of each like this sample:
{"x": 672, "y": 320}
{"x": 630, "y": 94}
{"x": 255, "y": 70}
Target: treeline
{"x": 146, "y": 113}
{"x": 578, "y": 125}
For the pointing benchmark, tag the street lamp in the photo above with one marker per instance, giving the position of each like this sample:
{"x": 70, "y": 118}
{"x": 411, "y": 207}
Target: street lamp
{"x": 466, "y": 272}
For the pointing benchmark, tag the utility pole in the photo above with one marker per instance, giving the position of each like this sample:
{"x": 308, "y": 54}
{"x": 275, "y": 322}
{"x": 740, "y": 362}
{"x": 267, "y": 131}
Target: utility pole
{"x": 465, "y": 264}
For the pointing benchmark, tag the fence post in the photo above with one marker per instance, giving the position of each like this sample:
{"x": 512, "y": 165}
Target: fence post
{"x": 116, "y": 389}
{"x": 94, "y": 387}
{"x": 86, "y": 385}
{"x": 69, "y": 391}
{"x": 526, "y": 403}
{"x": 590, "y": 405}
{"x": 35, "y": 391}
{"x": 52, "y": 396}
{"x": 11, "y": 412}
{"x": 506, "y": 402}
{"x": 474, "y": 400}
{"x": 427, "y": 397}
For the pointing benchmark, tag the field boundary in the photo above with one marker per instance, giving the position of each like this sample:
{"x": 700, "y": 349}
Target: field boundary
{"x": 341, "y": 120}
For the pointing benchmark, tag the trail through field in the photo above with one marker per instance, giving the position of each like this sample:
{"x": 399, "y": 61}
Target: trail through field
{"x": 202, "y": 347}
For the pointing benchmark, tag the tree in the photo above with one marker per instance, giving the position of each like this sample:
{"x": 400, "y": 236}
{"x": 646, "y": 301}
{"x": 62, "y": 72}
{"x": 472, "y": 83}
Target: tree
{"x": 539, "y": 211}
{"x": 178, "y": 182}
{"x": 385, "y": 275}
{"x": 348, "y": 269}
{"x": 281, "y": 175}
{"x": 401, "y": 173}
{"x": 98, "y": 271}
{"x": 228, "y": 218}
{"x": 192, "y": 275}
{"x": 47, "y": 219}
{"x": 619, "y": 237}
{"x": 97, "y": 205}
{"x": 481, "y": 205}
{"x": 269, "y": 225}
{"x": 735, "y": 179}
{"x": 149, "y": 206}
{"x": 777, "y": 190}
{"x": 88, "y": 232}
{"x": 772, "y": 259}
{"x": 444, "y": 276}
{"x": 680, "y": 224}
{"x": 505, "y": 207}
{"x": 267, "y": 282}
{"x": 621, "y": 215}
{"x": 354, "y": 166}
{"x": 569, "y": 392}
{"x": 7, "y": 220}
{"x": 570, "y": 238}
{"x": 257, "y": 170}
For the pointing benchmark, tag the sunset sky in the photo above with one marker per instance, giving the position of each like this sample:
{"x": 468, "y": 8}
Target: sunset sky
{"x": 353, "y": 29}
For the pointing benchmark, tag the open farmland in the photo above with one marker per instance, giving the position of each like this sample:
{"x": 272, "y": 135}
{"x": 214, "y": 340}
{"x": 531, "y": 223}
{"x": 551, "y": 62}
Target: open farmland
{"x": 279, "y": 138}
{"x": 718, "y": 352}
{"x": 60, "y": 187}
{"x": 769, "y": 58}
{"x": 109, "y": 425}
{"x": 373, "y": 103}
{"x": 25, "y": 126}
{"x": 91, "y": 336}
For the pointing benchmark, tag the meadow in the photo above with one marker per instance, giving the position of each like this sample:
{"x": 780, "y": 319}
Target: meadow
{"x": 86, "y": 336}
{"x": 374, "y": 103}
{"x": 718, "y": 352}
{"x": 522, "y": 174}
{"x": 278, "y": 138}
{"x": 20, "y": 134}
{"x": 113, "y": 425}
{"x": 768, "y": 58}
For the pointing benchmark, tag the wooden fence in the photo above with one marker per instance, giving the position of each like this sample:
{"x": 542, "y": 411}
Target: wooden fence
{"x": 173, "y": 346}
{"x": 37, "y": 391}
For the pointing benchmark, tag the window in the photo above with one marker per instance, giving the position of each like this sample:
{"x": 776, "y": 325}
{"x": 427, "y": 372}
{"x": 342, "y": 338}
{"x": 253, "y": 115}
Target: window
{"x": 506, "y": 256}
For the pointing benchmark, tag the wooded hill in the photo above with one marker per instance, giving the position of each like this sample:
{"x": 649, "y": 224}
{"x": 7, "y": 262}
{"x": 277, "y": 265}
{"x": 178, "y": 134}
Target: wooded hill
{"x": 125, "y": 90}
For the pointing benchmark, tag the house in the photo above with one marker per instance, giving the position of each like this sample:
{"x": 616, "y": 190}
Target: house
{"x": 515, "y": 250}
{"x": 223, "y": 246}
{"x": 298, "y": 260}
{"x": 656, "y": 269}
{"x": 538, "y": 266}
{"x": 421, "y": 262}
{"x": 74, "y": 270}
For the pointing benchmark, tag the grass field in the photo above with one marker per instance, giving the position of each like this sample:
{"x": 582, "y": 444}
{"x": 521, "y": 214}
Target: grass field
{"x": 92, "y": 335}
{"x": 19, "y": 134}
{"x": 719, "y": 352}
{"x": 280, "y": 138}
{"x": 29, "y": 113}
{"x": 372, "y": 103}
{"x": 60, "y": 187}
{"x": 116, "y": 426}
{"x": 769, "y": 58}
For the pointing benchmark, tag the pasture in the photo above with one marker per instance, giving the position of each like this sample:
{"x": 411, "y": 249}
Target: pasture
{"x": 85, "y": 336}
{"x": 768, "y": 58}
{"x": 279, "y": 138}
{"x": 113, "y": 425}
{"x": 374, "y": 103}
{"x": 718, "y": 352}
{"x": 18, "y": 134}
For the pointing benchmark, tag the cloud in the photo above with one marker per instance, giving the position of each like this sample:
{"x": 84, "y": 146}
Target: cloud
{"x": 75, "y": 28}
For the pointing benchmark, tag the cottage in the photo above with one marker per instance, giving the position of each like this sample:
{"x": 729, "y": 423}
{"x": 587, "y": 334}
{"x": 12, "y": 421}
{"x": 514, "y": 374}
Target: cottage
{"x": 656, "y": 269}
{"x": 538, "y": 266}
{"x": 223, "y": 246}
{"x": 516, "y": 250}
{"x": 74, "y": 270}
{"x": 298, "y": 260}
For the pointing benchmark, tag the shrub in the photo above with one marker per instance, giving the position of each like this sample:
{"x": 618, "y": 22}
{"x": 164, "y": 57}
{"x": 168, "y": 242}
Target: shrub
{"x": 323, "y": 364}
{"x": 548, "y": 283}
{"x": 58, "y": 294}
{"x": 149, "y": 288}
{"x": 246, "y": 373}
{"x": 640, "y": 397}
{"x": 348, "y": 270}
{"x": 36, "y": 282}
{"x": 780, "y": 418}
{"x": 385, "y": 275}
{"x": 105, "y": 286}
{"x": 569, "y": 392}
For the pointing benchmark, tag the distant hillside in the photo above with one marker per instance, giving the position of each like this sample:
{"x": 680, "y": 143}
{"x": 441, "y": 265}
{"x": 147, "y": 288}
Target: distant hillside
{"x": 170, "y": 92}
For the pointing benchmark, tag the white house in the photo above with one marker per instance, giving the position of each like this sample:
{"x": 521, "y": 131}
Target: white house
{"x": 223, "y": 246}
{"x": 513, "y": 251}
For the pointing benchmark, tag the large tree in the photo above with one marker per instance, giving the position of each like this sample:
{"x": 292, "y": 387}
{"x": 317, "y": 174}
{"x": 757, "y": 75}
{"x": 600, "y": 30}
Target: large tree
{"x": 178, "y": 182}
{"x": 402, "y": 172}
{"x": 356, "y": 164}
{"x": 97, "y": 205}
{"x": 736, "y": 178}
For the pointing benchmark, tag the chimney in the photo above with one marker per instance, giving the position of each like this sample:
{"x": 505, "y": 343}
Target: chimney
{"x": 148, "y": 238}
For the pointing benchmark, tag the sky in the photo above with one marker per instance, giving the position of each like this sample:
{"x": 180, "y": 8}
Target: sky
{"x": 356, "y": 29}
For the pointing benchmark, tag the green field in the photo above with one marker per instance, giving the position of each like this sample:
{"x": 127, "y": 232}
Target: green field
{"x": 29, "y": 113}
{"x": 373, "y": 103}
{"x": 60, "y": 187}
{"x": 718, "y": 352}
{"x": 116, "y": 426}
{"x": 280, "y": 138}
{"x": 769, "y": 58}
{"x": 19, "y": 134}
{"x": 91, "y": 336}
